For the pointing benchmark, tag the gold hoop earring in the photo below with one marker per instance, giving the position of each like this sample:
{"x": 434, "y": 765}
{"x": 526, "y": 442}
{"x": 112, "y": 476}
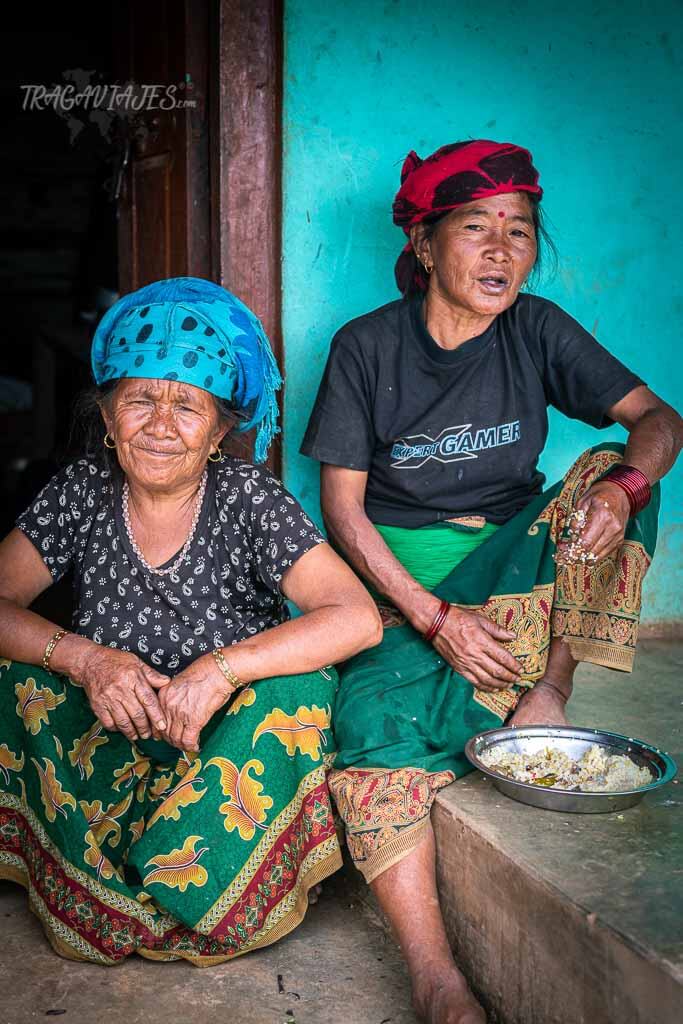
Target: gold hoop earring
{"x": 428, "y": 269}
{"x": 106, "y": 442}
{"x": 219, "y": 453}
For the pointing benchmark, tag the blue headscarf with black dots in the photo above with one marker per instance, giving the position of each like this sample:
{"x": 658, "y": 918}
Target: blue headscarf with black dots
{"x": 193, "y": 331}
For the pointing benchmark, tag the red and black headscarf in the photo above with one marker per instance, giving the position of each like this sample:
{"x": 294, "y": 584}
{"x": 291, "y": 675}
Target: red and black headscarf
{"x": 452, "y": 176}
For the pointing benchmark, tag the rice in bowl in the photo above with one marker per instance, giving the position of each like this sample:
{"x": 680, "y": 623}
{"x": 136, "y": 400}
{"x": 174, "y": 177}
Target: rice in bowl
{"x": 596, "y": 772}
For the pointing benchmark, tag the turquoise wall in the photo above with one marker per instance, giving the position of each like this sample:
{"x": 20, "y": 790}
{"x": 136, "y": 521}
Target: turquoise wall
{"x": 593, "y": 89}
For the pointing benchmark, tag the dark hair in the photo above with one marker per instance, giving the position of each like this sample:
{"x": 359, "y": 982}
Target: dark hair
{"x": 87, "y": 425}
{"x": 546, "y": 251}
{"x": 414, "y": 279}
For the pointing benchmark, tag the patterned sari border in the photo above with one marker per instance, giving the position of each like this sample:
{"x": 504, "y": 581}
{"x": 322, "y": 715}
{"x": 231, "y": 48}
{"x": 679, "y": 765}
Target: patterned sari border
{"x": 322, "y": 858}
{"x": 601, "y": 653}
{"x": 394, "y": 850}
{"x": 112, "y": 899}
{"x": 215, "y": 914}
{"x": 64, "y": 940}
{"x": 331, "y": 862}
{"x": 324, "y": 861}
{"x": 500, "y": 703}
{"x": 537, "y": 587}
{"x": 318, "y": 865}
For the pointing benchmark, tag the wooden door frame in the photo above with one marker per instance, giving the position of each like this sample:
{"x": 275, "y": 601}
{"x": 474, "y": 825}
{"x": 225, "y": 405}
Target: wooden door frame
{"x": 226, "y": 169}
{"x": 246, "y": 162}
{"x": 180, "y": 136}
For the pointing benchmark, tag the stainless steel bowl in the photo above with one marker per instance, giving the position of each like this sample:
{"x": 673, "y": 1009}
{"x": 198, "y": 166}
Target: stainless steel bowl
{"x": 574, "y": 742}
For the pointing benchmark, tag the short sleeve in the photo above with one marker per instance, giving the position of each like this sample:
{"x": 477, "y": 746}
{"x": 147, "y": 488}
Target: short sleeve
{"x": 59, "y": 519}
{"x": 279, "y": 530}
{"x": 340, "y": 430}
{"x": 581, "y": 378}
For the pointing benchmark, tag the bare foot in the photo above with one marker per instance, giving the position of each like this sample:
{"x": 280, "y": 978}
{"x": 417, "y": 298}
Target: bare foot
{"x": 541, "y": 705}
{"x": 314, "y": 894}
{"x": 444, "y": 998}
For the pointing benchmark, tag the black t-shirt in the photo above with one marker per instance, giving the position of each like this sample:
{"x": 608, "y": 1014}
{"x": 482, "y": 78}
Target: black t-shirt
{"x": 444, "y": 433}
{"x": 250, "y": 531}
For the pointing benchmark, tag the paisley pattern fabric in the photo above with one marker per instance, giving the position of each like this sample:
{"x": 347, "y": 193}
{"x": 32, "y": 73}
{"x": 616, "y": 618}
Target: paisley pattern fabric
{"x": 386, "y": 813}
{"x": 250, "y": 531}
{"x": 403, "y": 716}
{"x": 140, "y": 848}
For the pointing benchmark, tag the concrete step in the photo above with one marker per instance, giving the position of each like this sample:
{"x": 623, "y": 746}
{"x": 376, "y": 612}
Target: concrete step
{"x": 566, "y": 918}
{"x": 338, "y": 967}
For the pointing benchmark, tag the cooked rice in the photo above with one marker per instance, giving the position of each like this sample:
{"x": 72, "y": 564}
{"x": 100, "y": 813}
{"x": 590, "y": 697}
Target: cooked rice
{"x": 596, "y": 772}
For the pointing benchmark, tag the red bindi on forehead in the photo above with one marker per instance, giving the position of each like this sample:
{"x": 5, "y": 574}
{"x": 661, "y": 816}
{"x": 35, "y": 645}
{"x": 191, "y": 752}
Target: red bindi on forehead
{"x": 501, "y": 213}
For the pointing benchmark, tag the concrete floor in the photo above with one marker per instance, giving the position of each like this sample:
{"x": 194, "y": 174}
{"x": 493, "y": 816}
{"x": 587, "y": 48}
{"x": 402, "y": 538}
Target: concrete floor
{"x": 339, "y": 967}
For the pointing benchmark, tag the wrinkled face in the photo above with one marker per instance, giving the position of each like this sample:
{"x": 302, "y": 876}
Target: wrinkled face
{"x": 164, "y": 431}
{"x": 481, "y": 253}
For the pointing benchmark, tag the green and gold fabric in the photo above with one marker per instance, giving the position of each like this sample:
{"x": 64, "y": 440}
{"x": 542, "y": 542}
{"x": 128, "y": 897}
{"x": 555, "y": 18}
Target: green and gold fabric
{"x": 141, "y": 848}
{"x": 403, "y": 716}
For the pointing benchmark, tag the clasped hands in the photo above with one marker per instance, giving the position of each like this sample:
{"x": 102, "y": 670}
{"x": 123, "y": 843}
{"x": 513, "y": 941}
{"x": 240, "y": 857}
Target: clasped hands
{"x": 130, "y": 697}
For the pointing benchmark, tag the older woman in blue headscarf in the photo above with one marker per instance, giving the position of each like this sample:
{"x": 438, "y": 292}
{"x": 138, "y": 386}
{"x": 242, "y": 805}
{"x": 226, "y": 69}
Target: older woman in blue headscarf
{"x": 162, "y": 764}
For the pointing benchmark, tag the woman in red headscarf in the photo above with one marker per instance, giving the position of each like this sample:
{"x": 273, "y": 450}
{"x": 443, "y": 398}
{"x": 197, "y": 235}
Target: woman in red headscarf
{"x": 429, "y": 423}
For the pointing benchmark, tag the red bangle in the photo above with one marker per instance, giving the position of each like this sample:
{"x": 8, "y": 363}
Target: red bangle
{"x": 439, "y": 620}
{"x": 634, "y": 483}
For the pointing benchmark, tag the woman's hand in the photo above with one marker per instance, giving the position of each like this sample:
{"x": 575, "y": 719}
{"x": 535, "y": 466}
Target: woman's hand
{"x": 607, "y": 511}
{"x": 470, "y": 643}
{"x": 190, "y": 699}
{"x": 120, "y": 688}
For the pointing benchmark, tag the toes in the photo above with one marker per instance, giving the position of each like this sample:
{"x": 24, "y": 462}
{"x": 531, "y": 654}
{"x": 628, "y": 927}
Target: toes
{"x": 314, "y": 894}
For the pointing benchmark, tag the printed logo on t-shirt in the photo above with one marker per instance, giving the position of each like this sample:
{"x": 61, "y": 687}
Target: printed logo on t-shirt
{"x": 453, "y": 444}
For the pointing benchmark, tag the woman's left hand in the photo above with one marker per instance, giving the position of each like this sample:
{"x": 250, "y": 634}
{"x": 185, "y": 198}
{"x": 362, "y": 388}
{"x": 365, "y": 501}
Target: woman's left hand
{"x": 190, "y": 699}
{"x": 607, "y": 511}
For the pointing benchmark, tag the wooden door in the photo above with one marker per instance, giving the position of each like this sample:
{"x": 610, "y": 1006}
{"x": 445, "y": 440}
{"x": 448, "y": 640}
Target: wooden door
{"x": 201, "y": 190}
{"x": 246, "y": 164}
{"x": 164, "y": 218}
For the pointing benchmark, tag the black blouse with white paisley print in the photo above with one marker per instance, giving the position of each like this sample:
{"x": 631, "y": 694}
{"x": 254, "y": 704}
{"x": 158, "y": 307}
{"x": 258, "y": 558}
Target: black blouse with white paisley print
{"x": 250, "y": 531}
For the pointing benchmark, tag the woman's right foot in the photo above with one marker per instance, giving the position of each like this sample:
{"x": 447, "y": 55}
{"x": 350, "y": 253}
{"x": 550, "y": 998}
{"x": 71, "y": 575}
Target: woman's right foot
{"x": 445, "y": 998}
{"x": 541, "y": 705}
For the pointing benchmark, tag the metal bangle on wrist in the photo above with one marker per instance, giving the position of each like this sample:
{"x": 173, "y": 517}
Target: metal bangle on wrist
{"x": 438, "y": 621}
{"x": 223, "y": 665}
{"x": 50, "y": 646}
{"x": 634, "y": 483}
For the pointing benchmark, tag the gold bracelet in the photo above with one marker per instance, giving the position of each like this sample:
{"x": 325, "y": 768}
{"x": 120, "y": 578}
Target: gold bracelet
{"x": 51, "y": 644}
{"x": 233, "y": 679}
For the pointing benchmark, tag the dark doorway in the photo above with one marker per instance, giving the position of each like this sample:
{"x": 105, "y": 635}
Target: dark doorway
{"x": 58, "y": 237}
{"x": 58, "y": 249}
{"x": 96, "y": 203}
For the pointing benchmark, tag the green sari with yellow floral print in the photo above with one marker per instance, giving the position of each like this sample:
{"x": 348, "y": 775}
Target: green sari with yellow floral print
{"x": 140, "y": 848}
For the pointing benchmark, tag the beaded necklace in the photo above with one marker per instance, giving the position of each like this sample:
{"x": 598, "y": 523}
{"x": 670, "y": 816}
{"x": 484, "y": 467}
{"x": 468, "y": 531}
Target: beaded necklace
{"x": 186, "y": 546}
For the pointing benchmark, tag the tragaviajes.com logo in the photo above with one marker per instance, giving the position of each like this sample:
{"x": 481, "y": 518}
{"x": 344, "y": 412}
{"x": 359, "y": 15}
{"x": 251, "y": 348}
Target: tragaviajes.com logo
{"x": 453, "y": 444}
{"x": 83, "y": 98}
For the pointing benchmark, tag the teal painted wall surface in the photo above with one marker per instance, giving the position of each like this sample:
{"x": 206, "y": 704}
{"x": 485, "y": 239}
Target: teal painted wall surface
{"x": 593, "y": 89}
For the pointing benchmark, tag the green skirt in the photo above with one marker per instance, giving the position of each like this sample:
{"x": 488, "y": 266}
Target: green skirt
{"x": 141, "y": 848}
{"x": 403, "y": 716}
